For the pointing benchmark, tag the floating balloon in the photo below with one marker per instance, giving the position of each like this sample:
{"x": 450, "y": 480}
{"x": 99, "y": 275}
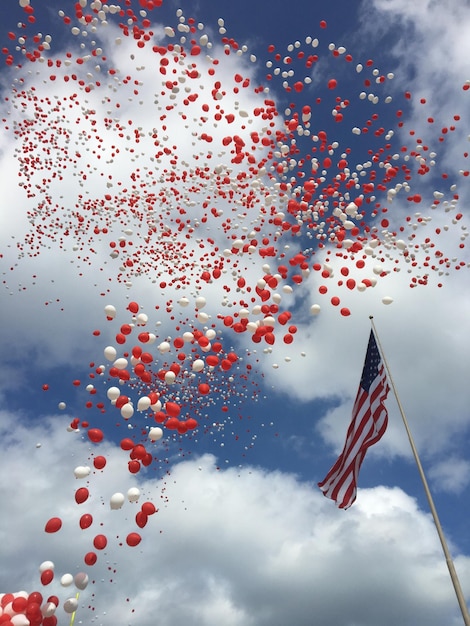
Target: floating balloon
{"x": 53, "y": 525}
{"x": 81, "y": 580}
{"x": 86, "y": 520}
{"x": 116, "y": 501}
{"x": 95, "y": 435}
{"x": 133, "y": 539}
{"x": 70, "y": 605}
{"x": 66, "y": 580}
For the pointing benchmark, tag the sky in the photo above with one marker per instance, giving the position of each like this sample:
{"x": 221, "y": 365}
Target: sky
{"x": 187, "y": 165}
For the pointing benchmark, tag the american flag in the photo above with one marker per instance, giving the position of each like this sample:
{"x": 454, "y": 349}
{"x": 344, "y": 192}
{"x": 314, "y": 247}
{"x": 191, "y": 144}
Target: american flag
{"x": 368, "y": 424}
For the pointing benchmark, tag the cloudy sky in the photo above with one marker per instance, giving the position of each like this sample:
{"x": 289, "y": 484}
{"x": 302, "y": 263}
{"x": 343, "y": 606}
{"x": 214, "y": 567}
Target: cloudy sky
{"x": 125, "y": 162}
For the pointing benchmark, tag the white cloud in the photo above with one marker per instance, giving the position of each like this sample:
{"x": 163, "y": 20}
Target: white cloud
{"x": 451, "y": 475}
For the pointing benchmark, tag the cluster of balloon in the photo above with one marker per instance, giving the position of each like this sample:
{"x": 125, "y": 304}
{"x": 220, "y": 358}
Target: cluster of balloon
{"x": 32, "y": 609}
{"x": 157, "y": 387}
{"x": 183, "y": 171}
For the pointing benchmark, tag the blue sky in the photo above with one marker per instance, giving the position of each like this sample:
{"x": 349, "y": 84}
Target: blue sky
{"x": 243, "y": 535}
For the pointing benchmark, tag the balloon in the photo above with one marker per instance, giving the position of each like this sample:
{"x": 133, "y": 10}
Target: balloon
{"x": 100, "y": 542}
{"x": 81, "y": 495}
{"x": 133, "y": 494}
{"x": 116, "y": 501}
{"x": 47, "y": 576}
{"x": 155, "y": 433}
{"x": 53, "y": 525}
{"x": 141, "y": 519}
{"x": 46, "y": 565}
{"x": 95, "y": 435}
{"x": 70, "y": 605}
{"x": 127, "y": 411}
{"x": 82, "y": 471}
{"x": 149, "y": 508}
{"x": 99, "y": 462}
{"x": 90, "y": 558}
{"x": 133, "y": 539}
{"x": 86, "y": 520}
{"x": 81, "y": 580}
{"x": 66, "y": 580}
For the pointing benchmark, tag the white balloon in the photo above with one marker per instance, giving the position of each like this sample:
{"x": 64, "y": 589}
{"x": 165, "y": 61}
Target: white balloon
{"x": 81, "y": 580}
{"x": 387, "y": 300}
{"x": 48, "y": 609}
{"x": 82, "y": 471}
{"x": 157, "y": 406}
{"x": 61, "y": 405}
{"x": 113, "y": 393}
{"x": 133, "y": 494}
{"x": 155, "y": 433}
{"x": 20, "y": 620}
{"x": 200, "y": 302}
{"x": 45, "y": 565}
{"x": 121, "y": 363}
{"x": 110, "y": 311}
{"x": 70, "y": 605}
{"x": 164, "y": 347}
{"x": 127, "y": 410}
{"x": 315, "y": 309}
{"x": 66, "y": 580}
{"x": 170, "y": 377}
{"x": 142, "y": 319}
{"x": 198, "y": 365}
{"x": 110, "y": 353}
{"x": 143, "y": 403}
{"x": 116, "y": 501}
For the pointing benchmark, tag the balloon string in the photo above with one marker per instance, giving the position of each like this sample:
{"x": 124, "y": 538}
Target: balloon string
{"x": 72, "y": 619}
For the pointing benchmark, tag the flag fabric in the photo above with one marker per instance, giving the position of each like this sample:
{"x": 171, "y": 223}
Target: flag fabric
{"x": 368, "y": 424}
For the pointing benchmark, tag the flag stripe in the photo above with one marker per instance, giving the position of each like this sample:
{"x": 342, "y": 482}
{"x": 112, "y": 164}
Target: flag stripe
{"x": 368, "y": 424}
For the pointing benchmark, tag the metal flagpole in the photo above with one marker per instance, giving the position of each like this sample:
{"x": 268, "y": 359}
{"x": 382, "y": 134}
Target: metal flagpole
{"x": 450, "y": 563}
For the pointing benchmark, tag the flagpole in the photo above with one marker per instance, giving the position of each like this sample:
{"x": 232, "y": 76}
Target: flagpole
{"x": 449, "y": 561}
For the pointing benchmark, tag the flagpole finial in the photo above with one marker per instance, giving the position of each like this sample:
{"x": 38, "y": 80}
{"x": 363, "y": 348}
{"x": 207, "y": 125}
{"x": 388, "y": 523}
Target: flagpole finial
{"x": 371, "y": 317}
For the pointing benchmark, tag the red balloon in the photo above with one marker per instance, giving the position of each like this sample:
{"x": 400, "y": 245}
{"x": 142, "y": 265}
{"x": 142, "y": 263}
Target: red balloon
{"x": 100, "y": 542}
{"x": 36, "y": 597}
{"x": 90, "y": 558}
{"x": 81, "y": 495}
{"x": 19, "y": 605}
{"x": 99, "y": 462}
{"x": 133, "y": 539}
{"x": 47, "y": 576}
{"x": 141, "y": 519}
{"x": 127, "y": 444}
{"x": 134, "y": 467}
{"x": 53, "y": 525}
{"x": 86, "y": 521}
{"x": 149, "y": 508}
{"x": 172, "y": 409}
{"x": 95, "y": 435}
